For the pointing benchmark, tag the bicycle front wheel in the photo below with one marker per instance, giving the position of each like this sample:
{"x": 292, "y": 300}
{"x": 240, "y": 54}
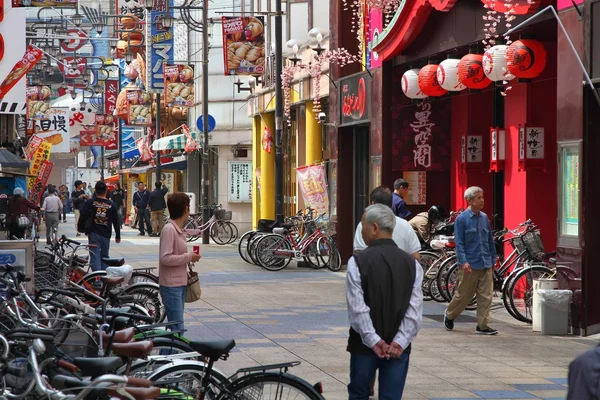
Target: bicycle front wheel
{"x": 520, "y": 292}
{"x": 221, "y": 232}
{"x": 329, "y": 254}
{"x": 273, "y": 386}
{"x": 273, "y": 252}
{"x": 243, "y": 246}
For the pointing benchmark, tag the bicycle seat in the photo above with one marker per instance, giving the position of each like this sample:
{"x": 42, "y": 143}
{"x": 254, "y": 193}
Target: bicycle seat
{"x": 133, "y": 349}
{"x": 82, "y": 259}
{"x": 95, "y": 367}
{"x": 124, "y": 336}
{"x": 113, "y": 262}
{"x": 68, "y": 382}
{"x": 139, "y": 393}
{"x": 280, "y": 231}
{"x": 213, "y": 349}
{"x": 112, "y": 280}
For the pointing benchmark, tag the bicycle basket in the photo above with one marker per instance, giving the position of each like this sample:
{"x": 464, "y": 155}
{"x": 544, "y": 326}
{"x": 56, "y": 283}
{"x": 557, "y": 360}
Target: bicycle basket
{"x": 534, "y": 245}
{"x": 50, "y": 275}
{"x": 223, "y": 215}
{"x": 518, "y": 244}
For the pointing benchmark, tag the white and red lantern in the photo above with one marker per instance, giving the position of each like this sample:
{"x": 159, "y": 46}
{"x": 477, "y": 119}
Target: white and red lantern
{"x": 470, "y": 72}
{"x": 494, "y": 64}
{"x": 526, "y": 58}
{"x": 447, "y": 75}
{"x": 410, "y": 85}
{"x": 428, "y": 81}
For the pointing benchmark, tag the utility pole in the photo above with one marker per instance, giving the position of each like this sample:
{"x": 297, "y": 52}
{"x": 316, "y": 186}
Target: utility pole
{"x": 278, "y": 113}
{"x": 205, "y": 155}
{"x": 157, "y": 136}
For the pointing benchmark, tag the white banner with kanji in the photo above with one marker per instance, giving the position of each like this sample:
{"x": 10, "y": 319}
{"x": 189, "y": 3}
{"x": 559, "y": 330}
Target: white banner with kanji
{"x": 55, "y": 129}
{"x": 313, "y": 185}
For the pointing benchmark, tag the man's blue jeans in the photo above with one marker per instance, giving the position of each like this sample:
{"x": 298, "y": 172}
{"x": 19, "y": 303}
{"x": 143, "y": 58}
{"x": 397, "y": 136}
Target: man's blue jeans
{"x": 174, "y": 300}
{"x": 98, "y": 252}
{"x": 392, "y": 376}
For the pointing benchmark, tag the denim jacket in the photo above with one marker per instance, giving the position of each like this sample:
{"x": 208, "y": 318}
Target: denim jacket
{"x": 474, "y": 240}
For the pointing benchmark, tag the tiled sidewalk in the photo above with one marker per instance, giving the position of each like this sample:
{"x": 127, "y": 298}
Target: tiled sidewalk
{"x": 300, "y": 314}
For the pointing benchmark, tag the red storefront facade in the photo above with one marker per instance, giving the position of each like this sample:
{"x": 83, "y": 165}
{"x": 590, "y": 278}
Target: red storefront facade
{"x": 457, "y": 151}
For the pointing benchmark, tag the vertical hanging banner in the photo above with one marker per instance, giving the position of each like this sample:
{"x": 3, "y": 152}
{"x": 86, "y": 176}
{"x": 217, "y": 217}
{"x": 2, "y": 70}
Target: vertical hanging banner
{"x": 40, "y": 182}
{"x": 140, "y": 108}
{"x": 179, "y": 85}
{"x": 34, "y": 142}
{"x": 106, "y": 134}
{"x": 144, "y": 149}
{"x": 244, "y": 45}
{"x": 313, "y": 185}
{"x": 162, "y": 45}
{"x": 111, "y": 91}
{"x": 41, "y": 154}
{"x": 24, "y": 65}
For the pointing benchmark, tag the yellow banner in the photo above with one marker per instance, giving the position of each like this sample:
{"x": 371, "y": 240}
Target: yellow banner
{"x": 41, "y": 154}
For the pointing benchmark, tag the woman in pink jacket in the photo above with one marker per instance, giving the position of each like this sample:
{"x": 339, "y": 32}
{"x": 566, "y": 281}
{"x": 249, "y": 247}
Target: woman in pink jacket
{"x": 173, "y": 259}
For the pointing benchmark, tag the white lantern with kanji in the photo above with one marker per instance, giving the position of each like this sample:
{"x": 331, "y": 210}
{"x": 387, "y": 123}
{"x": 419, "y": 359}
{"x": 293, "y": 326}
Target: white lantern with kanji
{"x": 410, "y": 85}
{"x": 494, "y": 64}
{"x": 447, "y": 75}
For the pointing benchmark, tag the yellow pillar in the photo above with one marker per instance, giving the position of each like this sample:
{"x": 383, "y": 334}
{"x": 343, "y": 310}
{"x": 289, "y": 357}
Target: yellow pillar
{"x": 255, "y": 165}
{"x": 267, "y": 169}
{"x": 313, "y": 139}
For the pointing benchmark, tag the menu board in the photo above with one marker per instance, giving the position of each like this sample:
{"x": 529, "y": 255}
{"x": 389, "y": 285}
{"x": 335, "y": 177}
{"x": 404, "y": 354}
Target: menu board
{"x": 239, "y": 181}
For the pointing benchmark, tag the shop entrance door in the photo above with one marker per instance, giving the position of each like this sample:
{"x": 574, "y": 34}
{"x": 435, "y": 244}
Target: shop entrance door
{"x": 361, "y": 171}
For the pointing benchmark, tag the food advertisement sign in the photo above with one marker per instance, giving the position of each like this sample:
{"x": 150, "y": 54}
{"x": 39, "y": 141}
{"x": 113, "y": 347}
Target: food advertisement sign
{"x": 106, "y": 133}
{"x": 55, "y": 129}
{"x": 140, "y": 108}
{"x": 244, "y": 45}
{"x": 38, "y": 102}
{"x": 24, "y": 65}
{"x": 179, "y": 85}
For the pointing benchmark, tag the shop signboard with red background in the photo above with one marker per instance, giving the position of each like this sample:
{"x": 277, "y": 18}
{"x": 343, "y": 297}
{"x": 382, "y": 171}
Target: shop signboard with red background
{"x": 106, "y": 131}
{"x": 243, "y": 45}
{"x": 38, "y": 187}
{"x": 354, "y": 101}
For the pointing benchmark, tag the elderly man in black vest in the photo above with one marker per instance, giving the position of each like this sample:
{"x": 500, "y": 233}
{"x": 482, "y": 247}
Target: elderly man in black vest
{"x": 385, "y": 308}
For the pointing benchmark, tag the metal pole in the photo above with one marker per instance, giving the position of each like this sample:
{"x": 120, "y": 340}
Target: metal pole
{"x": 278, "y": 114}
{"x": 157, "y": 136}
{"x": 205, "y": 154}
{"x": 120, "y": 126}
{"x": 101, "y": 163}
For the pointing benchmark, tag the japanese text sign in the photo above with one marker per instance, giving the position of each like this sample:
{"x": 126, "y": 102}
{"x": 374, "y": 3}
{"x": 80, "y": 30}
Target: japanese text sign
{"x": 243, "y": 45}
{"x": 31, "y": 57}
{"x": 354, "y": 99}
{"x": 179, "y": 85}
{"x": 140, "y": 108}
{"x": 55, "y": 129}
{"x": 239, "y": 175}
{"x": 75, "y": 67}
{"x": 41, "y": 154}
{"x": 111, "y": 91}
{"x": 40, "y": 182}
{"x": 162, "y": 45}
{"x": 313, "y": 185}
{"x": 34, "y": 142}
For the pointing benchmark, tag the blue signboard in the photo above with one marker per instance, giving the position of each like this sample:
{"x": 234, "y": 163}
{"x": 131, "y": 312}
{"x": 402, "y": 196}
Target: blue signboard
{"x": 129, "y": 149}
{"x": 211, "y": 123}
{"x": 162, "y": 45}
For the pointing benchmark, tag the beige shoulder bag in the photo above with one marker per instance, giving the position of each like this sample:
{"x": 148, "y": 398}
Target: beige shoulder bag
{"x": 194, "y": 291}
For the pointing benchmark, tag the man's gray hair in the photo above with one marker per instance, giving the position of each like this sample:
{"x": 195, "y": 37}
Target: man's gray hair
{"x": 472, "y": 191}
{"x": 381, "y": 215}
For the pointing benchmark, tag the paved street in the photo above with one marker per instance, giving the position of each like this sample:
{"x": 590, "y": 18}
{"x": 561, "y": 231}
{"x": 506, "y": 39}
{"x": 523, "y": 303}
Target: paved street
{"x": 300, "y": 314}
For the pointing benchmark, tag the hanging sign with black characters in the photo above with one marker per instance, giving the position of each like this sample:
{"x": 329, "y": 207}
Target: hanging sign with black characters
{"x": 239, "y": 175}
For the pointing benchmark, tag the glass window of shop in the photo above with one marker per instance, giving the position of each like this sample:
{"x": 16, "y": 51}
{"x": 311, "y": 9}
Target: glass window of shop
{"x": 570, "y": 184}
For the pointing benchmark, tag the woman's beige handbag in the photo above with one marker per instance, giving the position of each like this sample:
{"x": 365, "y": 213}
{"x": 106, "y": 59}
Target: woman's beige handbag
{"x": 194, "y": 291}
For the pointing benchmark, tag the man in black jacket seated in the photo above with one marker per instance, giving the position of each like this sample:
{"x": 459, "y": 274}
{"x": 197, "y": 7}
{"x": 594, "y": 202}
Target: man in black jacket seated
{"x": 385, "y": 307}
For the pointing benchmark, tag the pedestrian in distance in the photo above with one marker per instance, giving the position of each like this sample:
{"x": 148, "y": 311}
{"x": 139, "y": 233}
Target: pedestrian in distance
{"x": 63, "y": 195}
{"x": 18, "y": 207}
{"x": 103, "y": 213}
{"x": 140, "y": 203}
{"x": 404, "y": 235}
{"x": 118, "y": 197}
{"x": 385, "y": 308}
{"x": 52, "y": 207}
{"x": 476, "y": 255}
{"x": 157, "y": 206}
{"x": 398, "y": 204}
{"x": 78, "y": 198}
{"x": 174, "y": 258}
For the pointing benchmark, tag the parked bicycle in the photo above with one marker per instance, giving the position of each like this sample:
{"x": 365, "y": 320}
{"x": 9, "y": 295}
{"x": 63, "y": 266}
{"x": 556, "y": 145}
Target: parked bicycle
{"x": 220, "y": 228}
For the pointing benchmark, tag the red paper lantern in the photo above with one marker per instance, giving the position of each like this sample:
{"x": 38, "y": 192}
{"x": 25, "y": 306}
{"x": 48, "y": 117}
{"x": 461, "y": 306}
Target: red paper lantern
{"x": 428, "y": 81}
{"x": 526, "y": 58}
{"x": 470, "y": 72}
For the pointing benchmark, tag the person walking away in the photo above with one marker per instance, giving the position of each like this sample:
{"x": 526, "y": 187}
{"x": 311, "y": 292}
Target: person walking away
{"x": 476, "y": 254}
{"x": 385, "y": 307}
{"x": 140, "y": 203}
{"x": 18, "y": 206}
{"x": 403, "y": 234}
{"x": 422, "y": 223}
{"x": 87, "y": 187}
{"x": 63, "y": 195}
{"x": 398, "y": 204}
{"x": 584, "y": 376}
{"x": 52, "y": 208}
{"x": 104, "y": 214}
{"x": 118, "y": 197}
{"x": 173, "y": 259}
{"x": 78, "y": 198}
{"x": 157, "y": 205}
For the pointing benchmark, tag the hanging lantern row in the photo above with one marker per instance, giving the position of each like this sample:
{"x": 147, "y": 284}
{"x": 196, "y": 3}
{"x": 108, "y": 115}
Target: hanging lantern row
{"x": 524, "y": 59}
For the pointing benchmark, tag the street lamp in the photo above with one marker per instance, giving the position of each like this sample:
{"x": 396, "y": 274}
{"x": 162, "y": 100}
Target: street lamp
{"x": 77, "y": 19}
{"x": 167, "y": 21}
{"x": 316, "y": 34}
{"x": 128, "y": 57}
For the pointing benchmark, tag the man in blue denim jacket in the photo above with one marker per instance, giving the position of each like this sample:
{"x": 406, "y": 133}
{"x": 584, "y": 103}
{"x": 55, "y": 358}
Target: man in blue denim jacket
{"x": 476, "y": 255}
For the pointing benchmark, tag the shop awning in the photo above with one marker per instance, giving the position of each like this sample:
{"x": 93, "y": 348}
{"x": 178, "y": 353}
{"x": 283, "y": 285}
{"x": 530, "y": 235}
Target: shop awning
{"x": 114, "y": 178}
{"x": 11, "y": 160}
{"x": 173, "y": 142}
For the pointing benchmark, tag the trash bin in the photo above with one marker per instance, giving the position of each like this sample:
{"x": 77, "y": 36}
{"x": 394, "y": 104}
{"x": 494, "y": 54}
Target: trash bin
{"x": 540, "y": 284}
{"x": 555, "y": 311}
